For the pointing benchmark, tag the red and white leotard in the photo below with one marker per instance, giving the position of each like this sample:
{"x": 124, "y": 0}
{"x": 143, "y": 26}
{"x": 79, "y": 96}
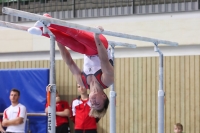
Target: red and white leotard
{"x": 92, "y": 66}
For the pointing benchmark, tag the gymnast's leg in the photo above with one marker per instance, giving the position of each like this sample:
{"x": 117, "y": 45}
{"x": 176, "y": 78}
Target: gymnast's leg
{"x": 65, "y": 40}
{"x": 84, "y": 37}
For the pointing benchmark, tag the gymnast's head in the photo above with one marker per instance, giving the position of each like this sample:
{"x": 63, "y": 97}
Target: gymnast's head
{"x": 98, "y": 99}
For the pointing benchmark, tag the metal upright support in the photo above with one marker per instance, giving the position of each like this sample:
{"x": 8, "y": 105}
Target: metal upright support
{"x": 52, "y": 60}
{"x": 28, "y": 126}
{"x": 161, "y": 92}
{"x": 52, "y": 110}
{"x": 112, "y": 101}
{"x": 52, "y": 82}
{"x": 112, "y": 90}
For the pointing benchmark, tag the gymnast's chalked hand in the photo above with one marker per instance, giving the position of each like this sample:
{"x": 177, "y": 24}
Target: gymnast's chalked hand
{"x": 101, "y": 28}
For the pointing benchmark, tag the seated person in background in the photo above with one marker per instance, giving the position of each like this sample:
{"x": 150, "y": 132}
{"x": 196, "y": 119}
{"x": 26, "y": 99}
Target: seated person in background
{"x": 14, "y": 117}
{"x": 178, "y": 128}
{"x": 62, "y": 114}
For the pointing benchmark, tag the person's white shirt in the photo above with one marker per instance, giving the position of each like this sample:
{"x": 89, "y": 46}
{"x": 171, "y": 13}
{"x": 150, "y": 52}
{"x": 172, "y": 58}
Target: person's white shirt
{"x": 13, "y": 112}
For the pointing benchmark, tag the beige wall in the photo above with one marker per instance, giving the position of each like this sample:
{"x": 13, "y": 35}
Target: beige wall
{"x": 136, "y": 82}
{"x": 178, "y": 27}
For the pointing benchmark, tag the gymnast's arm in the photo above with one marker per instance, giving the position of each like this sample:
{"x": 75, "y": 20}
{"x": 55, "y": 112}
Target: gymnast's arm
{"x": 106, "y": 67}
{"x": 70, "y": 63}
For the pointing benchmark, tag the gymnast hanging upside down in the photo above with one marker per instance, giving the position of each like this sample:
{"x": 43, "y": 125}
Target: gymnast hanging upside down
{"x": 98, "y": 72}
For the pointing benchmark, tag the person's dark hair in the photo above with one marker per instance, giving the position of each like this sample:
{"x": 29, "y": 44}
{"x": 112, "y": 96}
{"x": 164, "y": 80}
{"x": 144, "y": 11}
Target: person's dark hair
{"x": 179, "y": 125}
{"x": 15, "y": 90}
{"x": 100, "y": 113}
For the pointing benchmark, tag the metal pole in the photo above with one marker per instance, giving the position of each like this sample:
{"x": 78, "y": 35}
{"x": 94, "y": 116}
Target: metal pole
{"x": 112, "y": 102}
{"x": 52, "y": 60}
{"x": 32, "y": 114}
{"x": 113, "y": 44}
{"x": 52, "y": 111}
{"x": 112, "y": 90}
{"x": 161, "y": 92}
{"x": 52, "y": 81}
{"x": 43, "y": 19}
{"x": 28, "y": 126}
{"x": 13, "y": 26}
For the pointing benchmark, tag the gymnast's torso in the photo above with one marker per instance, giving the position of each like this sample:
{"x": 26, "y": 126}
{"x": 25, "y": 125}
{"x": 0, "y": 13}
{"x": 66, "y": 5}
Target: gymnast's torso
{"x": 92, "y": 69}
